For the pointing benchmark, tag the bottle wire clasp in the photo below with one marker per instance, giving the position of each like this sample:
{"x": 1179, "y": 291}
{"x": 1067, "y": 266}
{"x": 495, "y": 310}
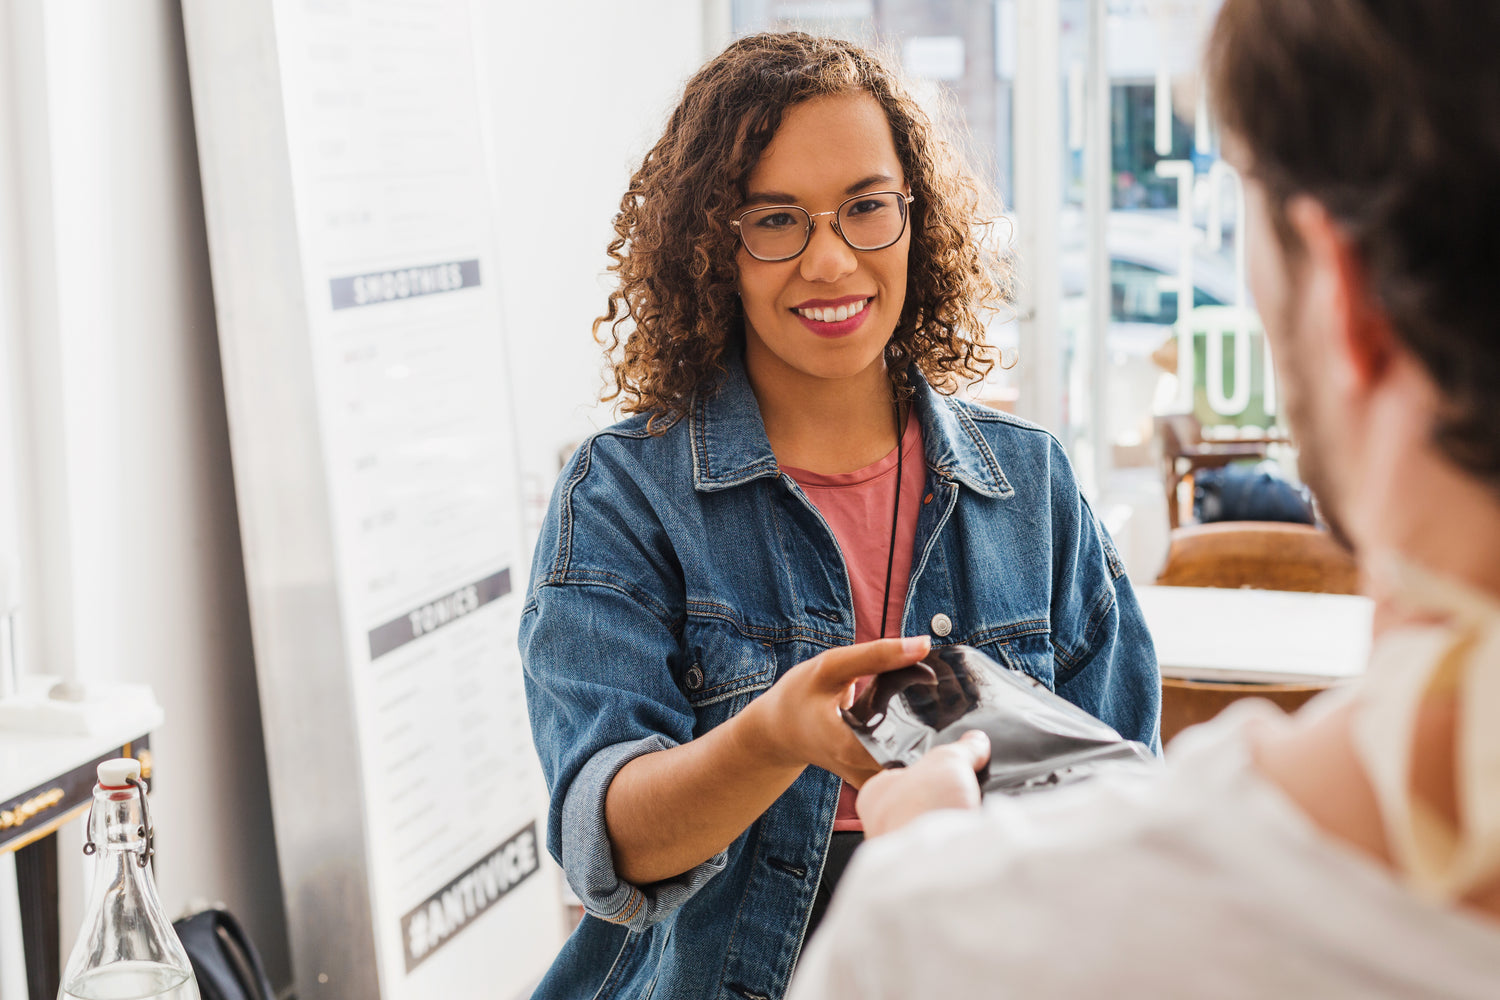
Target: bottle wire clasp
{"x": 145, "y": 831}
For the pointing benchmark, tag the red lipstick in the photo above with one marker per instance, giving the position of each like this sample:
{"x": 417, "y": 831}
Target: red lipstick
{"x": 836, "y": 328}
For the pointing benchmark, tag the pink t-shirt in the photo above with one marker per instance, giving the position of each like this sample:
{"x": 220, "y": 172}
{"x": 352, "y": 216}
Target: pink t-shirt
{"x": 858, "y": 507}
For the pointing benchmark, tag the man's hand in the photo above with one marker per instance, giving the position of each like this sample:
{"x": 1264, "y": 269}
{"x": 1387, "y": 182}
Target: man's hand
{"x": 943, "y": 779}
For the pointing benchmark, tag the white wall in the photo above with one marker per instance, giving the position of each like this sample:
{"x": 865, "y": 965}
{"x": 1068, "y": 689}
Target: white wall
{"x": 132, "y": 564}
{"x": 581, "y": 91}
{"x": 132, "y": 559}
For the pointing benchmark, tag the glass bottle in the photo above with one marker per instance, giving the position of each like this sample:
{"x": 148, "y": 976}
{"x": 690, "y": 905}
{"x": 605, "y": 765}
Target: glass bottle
{"x": 127, "y": 949}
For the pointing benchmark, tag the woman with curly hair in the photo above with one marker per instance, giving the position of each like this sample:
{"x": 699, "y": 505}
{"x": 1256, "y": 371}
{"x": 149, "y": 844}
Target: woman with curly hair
{"x": 797, "y": 502}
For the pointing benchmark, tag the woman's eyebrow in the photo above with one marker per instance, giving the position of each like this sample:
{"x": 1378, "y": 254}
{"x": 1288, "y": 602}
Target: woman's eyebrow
{"x": 869, "y": 181}
{"x": 782, "y": 198}
{"x": 769, "y": 198}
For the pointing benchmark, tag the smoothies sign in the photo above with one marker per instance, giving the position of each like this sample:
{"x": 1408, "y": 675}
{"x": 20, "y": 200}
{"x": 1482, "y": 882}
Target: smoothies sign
{"x": 376, "y": 471}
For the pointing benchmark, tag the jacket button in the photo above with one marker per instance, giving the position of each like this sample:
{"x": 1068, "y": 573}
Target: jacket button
{"x": 941, "y": 624}
{"x": 694, "y": 678}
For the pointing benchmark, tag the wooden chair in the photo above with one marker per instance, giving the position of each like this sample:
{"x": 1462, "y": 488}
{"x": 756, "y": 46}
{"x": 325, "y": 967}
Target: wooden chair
{"x": 1259, "y": 554}
{"x": 1263, "y": 555}
{"x": 1184, "y": 452}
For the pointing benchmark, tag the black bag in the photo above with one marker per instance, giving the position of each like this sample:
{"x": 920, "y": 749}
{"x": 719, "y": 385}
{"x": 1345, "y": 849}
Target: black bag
{"x": 225, "y": 962}
{"x": 1250, "y": 493}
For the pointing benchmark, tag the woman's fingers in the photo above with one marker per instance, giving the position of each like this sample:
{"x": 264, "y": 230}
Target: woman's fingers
{"x": 839, "y": 666}
{"x": 798, "y": 720}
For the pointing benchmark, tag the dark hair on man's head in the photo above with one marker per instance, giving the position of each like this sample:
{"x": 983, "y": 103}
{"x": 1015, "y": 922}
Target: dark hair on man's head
{"x": 1387, "y": 112}
{"x": 675, "y": 312}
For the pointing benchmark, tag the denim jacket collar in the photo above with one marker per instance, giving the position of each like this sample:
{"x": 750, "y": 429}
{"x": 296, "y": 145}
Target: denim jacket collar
{"x": 730, "y": 446}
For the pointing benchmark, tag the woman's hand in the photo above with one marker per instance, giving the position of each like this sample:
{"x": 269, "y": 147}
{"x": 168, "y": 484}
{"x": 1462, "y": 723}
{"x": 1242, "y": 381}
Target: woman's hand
{"x": 670, "y": 810}
{"x": 943, "y": 779}
{"x": 797, "y": 721}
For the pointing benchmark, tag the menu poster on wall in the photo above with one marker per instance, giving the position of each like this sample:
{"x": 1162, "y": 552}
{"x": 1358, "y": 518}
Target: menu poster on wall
{"x": 395, "y": 235}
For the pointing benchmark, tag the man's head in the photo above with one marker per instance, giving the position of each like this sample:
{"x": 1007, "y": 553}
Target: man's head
{"x": 1368, "y": 132}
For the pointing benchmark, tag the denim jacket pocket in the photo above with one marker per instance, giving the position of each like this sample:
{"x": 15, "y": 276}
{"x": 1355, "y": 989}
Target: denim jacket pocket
{"x": 723, "y": 668}
{"x": 1031, "y": 654}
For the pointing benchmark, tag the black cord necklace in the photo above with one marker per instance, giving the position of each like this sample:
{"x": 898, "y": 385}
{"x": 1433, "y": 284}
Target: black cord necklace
{"x": 890, "y": 559}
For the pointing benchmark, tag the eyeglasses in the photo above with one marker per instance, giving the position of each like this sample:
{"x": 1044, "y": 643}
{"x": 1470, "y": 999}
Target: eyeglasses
{"x": 866, "y": 222}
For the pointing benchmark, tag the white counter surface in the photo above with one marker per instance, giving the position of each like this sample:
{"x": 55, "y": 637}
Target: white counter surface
{"x": 31, "y": 756}
{"x": 1268, "y": 636}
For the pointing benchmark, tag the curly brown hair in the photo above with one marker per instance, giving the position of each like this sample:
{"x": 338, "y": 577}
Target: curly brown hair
{"x": 675, "y": 313}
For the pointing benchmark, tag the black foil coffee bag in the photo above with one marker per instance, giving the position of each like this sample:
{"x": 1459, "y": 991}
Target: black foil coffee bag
{"x": 1037, "y": 739}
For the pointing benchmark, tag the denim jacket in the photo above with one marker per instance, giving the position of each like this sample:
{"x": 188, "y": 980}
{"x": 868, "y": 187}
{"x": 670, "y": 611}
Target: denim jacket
{"x": 678, "y": 576}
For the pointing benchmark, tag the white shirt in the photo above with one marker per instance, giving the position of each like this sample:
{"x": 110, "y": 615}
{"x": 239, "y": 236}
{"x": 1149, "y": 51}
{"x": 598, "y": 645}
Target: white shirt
{"x": 1200, "y": 881}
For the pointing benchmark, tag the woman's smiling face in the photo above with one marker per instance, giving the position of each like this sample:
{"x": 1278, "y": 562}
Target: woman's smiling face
{"x": 827, "y": 150}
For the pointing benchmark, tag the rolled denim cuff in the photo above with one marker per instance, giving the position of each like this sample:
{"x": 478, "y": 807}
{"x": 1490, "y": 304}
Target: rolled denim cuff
{"x": 586, "y": 858}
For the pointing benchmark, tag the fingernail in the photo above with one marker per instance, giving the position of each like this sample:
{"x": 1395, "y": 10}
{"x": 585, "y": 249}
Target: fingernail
{"x": 916, "y": 644}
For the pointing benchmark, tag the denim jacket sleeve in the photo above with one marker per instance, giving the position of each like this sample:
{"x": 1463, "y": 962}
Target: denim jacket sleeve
{"x": 1106, "y": 662}
{"x": 598, "y": 646}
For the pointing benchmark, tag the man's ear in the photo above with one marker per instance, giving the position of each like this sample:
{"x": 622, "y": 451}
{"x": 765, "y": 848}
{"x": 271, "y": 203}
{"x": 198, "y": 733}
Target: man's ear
{"x": 1359, "y": 332}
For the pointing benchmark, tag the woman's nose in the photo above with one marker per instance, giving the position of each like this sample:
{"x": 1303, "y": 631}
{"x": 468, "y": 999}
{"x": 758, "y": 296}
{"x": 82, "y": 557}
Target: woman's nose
{"x": 827, "y": 257}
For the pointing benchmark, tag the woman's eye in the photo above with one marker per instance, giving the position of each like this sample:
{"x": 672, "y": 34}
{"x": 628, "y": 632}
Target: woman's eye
{"x": 776, "y": 220}
{"x": 866, "y": 207}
